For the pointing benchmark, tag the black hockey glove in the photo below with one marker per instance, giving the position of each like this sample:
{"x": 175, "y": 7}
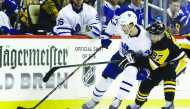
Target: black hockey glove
{"x": 128, "y": 59}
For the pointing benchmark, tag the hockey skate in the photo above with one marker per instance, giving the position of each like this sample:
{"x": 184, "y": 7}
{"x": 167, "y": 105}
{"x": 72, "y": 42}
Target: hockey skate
{"x": 169, "y": 107}
{"x": 133, "y": 107}
{"x": 90, "y": 104}
{"x": 115, "y": 104}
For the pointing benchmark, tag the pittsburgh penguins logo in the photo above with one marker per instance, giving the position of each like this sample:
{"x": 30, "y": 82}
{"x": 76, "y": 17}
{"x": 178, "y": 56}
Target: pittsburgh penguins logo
{"x": 88, "y": 76}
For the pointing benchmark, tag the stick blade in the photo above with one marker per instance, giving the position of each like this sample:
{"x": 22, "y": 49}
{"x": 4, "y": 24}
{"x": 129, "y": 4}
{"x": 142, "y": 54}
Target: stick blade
{"x": 19, "y": 107}
{"x": 49, "y": 74}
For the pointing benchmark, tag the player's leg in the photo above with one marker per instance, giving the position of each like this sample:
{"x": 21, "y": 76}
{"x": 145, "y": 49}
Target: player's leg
{"x": 171, "y": 72}
{"x": 108, "y": 75}
{"x": 129, "y": 78}
{"x": 169, "y": 93}
{"x": 144, "y": 90}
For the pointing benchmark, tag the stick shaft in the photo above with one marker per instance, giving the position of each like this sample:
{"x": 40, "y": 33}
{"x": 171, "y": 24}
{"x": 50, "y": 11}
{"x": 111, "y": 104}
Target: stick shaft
{"x": 88, "y": 64}
{"x": 65, "y": 79}
{"x": 52, "y": 70}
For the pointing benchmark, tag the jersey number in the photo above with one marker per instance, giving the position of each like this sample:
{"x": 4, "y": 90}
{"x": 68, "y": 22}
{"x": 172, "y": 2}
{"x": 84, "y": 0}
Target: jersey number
{"x": 60, "y": 21}
{"x": 156, "y": 57}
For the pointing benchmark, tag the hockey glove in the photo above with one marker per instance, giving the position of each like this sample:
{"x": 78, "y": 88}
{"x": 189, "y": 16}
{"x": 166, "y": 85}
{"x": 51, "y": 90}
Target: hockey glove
{"x": 106, "y": 43}
{"x": 128, "y": 59}
{"x": 143, "y": 74}
{"x": 4, "y": 30}
{"x": 105, "y": 40}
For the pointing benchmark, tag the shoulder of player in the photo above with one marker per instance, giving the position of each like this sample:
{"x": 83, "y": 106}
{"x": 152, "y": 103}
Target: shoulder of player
{"x": 3, "y": 14}
{"x": 66, "y": 11}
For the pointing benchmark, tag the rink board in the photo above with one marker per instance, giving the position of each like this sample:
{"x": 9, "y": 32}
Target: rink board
{"x": 21, "y": 76}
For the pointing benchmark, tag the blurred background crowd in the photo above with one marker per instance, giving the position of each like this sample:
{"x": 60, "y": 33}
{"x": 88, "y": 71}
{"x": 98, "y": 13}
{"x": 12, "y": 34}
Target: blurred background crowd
{"x": 39, "y": 16}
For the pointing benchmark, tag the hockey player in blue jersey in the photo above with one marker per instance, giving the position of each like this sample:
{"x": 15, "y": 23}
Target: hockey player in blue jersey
{"x": 137, "y": 7}
{"x": 5, "y": 23}
{"x": 109, "y": 8}
{"x": 10, "y": 7}
{"x": 78, "y": 18}
{"x": 184, "y": 18}
{"x": 134, "y": 39}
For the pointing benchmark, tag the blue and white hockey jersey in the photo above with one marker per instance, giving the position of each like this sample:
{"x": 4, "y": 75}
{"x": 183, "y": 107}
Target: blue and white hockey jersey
{"x": 184, "y": 18}
{"x": 139, "y": 11}
{"x": 109, "y": 12}
{"x": 10, "y": 7}
{"x": 140, "y": 44}
{"x": 5, "y": 26}
{"x": 4, "y": 22}
{"x": 69, "y": 22}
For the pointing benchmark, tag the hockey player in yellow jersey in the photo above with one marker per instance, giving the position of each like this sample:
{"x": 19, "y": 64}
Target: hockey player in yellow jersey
{"x": 166, "y": 62}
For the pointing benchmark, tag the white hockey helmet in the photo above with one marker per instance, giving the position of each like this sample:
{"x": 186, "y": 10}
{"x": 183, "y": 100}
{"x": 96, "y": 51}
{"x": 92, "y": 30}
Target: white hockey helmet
{"x": 127, "y": 18}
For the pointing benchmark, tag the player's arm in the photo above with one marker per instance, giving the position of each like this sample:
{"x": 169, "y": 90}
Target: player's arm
{"x": 5, "y": 26}
{"x": 62, "y": 26}
{"x": 94, "y": 24}
{"x": 109, "y": 31}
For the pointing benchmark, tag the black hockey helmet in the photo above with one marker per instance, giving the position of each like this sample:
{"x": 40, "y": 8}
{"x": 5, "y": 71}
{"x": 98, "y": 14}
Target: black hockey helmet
{"x": 156, "y": 28}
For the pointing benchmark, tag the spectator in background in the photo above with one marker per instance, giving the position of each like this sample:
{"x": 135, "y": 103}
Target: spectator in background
{"x": 179, "y": 21}
{"x": 109, "y": 8}
{"x": 4, "y": 21}
{"x": 173, "y": 11}
{"x": 49, "y": 10}
{"x": 78, "y": 18}
{"x": 5, "y": 26}
{"x": 179, "y": 17}
{"x": 10, "y": 7}
{"x": 184, "y": 18}
{"x": 137, "y": 7}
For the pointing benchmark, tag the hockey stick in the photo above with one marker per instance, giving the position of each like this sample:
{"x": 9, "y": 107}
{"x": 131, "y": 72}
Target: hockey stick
{"x": 51, "y": 72}
{"x": 19, "y": 107}
{"x": 86, "y": 64}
